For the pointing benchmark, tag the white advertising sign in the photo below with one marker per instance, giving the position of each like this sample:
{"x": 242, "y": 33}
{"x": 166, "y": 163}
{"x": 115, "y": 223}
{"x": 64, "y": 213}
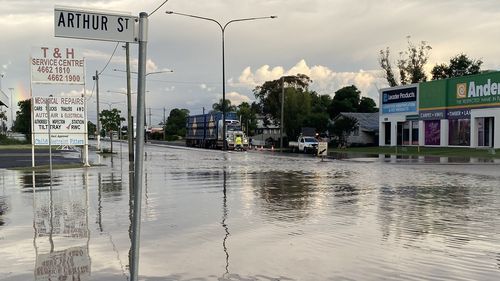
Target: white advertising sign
{"x": 53, "y": 65}
{"x": 67, "y": 120}
{"x": 86, "y": 24}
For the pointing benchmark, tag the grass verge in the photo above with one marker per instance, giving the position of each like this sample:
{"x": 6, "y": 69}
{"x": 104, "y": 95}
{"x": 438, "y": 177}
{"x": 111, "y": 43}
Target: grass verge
{"x": 423, "y": 151}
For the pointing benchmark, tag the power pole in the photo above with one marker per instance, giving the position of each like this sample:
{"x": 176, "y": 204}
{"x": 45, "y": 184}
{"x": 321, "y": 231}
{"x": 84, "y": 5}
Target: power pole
{"x": 282, "y": 111}
{"x": 164, "y": 126}
{"x": 96, "y": 78}
{"x": 130, "y": 123}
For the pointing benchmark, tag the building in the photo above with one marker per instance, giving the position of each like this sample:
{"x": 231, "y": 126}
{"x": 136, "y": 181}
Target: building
{"x": 3, "y": 99}
{"x": 456, "y": 112}
{"x": 367, "y": 131}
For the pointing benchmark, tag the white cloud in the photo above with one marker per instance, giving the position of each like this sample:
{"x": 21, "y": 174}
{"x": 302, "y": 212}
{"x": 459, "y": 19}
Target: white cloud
{"x": 237, "y": 98}
{"x": 325, "y": 80}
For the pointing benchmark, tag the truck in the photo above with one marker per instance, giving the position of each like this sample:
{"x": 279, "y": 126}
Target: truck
{"x": 304, "y": 144}
{"x": 205, "y": 131}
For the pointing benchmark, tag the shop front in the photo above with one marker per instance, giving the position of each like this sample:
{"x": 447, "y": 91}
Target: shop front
{"x": 398, "y": 123}
{"x": 461, "y": 112}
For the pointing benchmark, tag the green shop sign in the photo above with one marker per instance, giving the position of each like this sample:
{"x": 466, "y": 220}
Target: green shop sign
{"x": 467, "y": 92}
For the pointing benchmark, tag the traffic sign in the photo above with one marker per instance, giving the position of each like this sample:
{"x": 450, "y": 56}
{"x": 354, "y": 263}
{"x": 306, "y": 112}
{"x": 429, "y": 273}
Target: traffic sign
{"x": 95, "y": 25}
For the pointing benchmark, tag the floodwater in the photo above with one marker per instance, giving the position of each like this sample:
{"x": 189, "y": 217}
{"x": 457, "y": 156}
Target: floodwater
{"x": 212, "y": 215}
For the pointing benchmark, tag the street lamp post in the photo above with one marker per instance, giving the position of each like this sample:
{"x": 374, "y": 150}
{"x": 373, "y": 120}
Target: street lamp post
{"x": 11, "y": 109}
{"x": 223, "y": 29}
{"x": 131, "y": 156}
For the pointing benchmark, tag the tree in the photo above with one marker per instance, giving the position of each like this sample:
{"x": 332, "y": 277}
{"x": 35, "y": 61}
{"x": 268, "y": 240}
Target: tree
{"x": 367, "y": 105}
{"x": 217, "y": 107}
{"x": 298, "y": 101}
{"x": 23, "y": 119}
{"x": 110, "y": 120}
{"x": 3, "y": 118}
{"x": 342, "y": 127}
{"x": 176, "y": 123}
{"x": 91, "y": 128}
{"x": 386, "y": 65}
{"x": 460, "y": 65}
{"x": 247, "y": 114}
{"x": 411, "y": 64}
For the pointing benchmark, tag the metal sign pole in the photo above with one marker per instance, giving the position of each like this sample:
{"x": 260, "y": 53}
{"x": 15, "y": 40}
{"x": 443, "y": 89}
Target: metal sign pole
{"x": 32, "y": 118}
{"x": 139, "y": 152}
{"x": 50, "y": 144}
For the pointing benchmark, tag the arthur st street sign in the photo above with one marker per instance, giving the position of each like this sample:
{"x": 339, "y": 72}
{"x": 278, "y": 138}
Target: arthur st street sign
{"x": 95, "y": 25}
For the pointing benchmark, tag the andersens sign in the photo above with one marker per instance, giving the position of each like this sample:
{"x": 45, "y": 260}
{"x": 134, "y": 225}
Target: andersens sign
{"x": 96, "y": 25}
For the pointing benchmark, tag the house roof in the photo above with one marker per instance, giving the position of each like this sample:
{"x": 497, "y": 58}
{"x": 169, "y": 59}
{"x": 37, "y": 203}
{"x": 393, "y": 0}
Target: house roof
{"x": 367, "y": 121}
{"x": 4, "y": 100}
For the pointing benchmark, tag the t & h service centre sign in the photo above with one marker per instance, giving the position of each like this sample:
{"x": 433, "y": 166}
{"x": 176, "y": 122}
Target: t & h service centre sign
{"x": 95, "y": 25}
{"x": 56, "y": 65}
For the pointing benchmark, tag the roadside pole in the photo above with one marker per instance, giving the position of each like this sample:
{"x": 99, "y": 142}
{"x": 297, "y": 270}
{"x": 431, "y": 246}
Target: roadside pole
{"x": 50, "y": 143}
{"x": 130, "y": 124}
{"x": 139, "y": 153}
{"x": 96, "y": 78}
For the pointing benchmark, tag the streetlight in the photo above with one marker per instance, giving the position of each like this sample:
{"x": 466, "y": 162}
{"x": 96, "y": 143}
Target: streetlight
{"x": 11, "y": 110}
{"x": 223, "y": 29}
{"x": 128, "y": 101}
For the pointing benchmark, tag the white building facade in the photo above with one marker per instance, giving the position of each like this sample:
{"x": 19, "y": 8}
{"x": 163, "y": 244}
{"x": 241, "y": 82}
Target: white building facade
{"x": 455, "y": 112}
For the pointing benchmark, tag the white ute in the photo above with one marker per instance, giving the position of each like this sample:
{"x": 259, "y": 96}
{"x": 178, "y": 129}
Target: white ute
{"x": 304, "y": 144}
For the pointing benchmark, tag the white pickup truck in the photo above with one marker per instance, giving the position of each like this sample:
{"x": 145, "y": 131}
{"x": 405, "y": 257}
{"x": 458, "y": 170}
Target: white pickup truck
{"x": 304, "y": 144}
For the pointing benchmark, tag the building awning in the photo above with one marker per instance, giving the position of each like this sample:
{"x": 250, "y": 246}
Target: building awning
{"x": 4, "y": 100}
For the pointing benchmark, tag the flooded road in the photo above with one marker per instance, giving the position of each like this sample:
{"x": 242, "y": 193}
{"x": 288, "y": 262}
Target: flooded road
{"x": 212, "y": 215}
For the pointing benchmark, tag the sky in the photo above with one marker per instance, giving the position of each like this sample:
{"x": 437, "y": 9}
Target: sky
{"x": 335, "y": 42}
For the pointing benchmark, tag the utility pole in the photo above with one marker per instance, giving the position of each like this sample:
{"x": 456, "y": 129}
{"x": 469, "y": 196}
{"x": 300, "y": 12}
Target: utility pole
{"x": 282, "y": 111}
{"x": 130, "y": 123}
{"x": 164, "y": 126}
{"x": 96, "y": 78}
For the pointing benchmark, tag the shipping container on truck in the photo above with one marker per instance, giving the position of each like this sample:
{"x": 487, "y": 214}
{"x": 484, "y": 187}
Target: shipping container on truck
{"x": 205, "y": 130}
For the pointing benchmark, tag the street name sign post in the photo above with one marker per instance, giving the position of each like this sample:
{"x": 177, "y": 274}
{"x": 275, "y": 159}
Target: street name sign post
{"x": 110, "y": 26}
{"x": 95, "y": 25}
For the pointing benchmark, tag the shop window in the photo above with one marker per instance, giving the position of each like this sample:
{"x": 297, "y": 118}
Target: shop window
{"x": 432, "y": 132}
{"x": 387, "y": 137}
{"x": 459, "y": 132}
{"x": 406, "y": 133}
{"x": 414, "y": 133}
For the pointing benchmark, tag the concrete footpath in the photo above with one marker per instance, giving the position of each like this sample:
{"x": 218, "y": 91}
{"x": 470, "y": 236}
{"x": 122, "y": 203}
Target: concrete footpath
{"x": 20, "y": 158}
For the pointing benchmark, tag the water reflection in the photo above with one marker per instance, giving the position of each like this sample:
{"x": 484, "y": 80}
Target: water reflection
{"x": 224, "y": 224}
{"x": 4, "y": 208}
{"x": 285, "y": 195}
{"x": 61, "y": 233}
{"x": 39, "y": 180}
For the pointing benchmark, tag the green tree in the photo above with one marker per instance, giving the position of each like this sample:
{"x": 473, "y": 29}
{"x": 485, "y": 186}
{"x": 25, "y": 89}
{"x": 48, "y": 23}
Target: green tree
{"x": 247, "y": 114}
{"x": 410, "y": 64}
{"x": 23, "y": 119}
{"x": 176, "y": 123}
{"x": 342, "y": 127}
{"x": 348, "y": 99}
{"x": 460, "y": 65}
{"x": 110, "y": 120}
{"x": 345, "y": 99}
{"x": 91, "y": 129}
{"x": 217, "y": 107}
{"x": 3, "y": 118}
{"x": 367, "y": 105}
{"x": 298, "y": 102}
